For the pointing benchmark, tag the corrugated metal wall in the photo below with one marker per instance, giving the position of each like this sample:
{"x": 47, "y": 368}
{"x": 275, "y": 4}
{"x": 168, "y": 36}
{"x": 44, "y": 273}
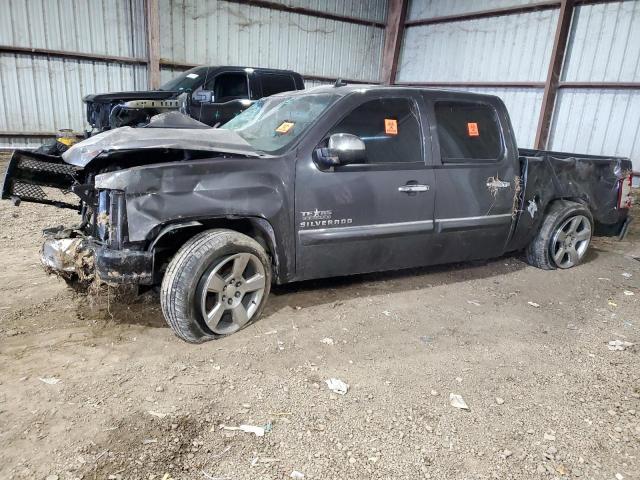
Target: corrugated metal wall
{"x": 604, "y": 46}
{"x": 42, "y": 93}
{"x": 217, "y": 32}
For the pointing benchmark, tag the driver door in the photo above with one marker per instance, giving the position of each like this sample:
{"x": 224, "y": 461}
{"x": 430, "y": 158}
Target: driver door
{"x": 375, "y": 214}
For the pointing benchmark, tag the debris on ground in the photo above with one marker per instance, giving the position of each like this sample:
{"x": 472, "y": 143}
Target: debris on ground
{"x": 258, "y": 431}
{"x": 612, "y": 304}
{"x": 156, "y": 414}
{"x": 337, "y": 386}
{"x": 534, "y": 304}
{"x": 619, "y": 345}
{"x": 473, "y": 302}
{"x": 627, "y": 275}
{"x": 628, "y": 293}
{"x": 457, "y": 401}
{"x": 296, "y": 474}
{"x": 327, "y": 341}
{"x": 49, "y": 380}
{"x": 499, "y": 400}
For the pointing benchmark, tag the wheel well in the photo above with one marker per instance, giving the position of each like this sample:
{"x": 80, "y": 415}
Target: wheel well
{"x": 166, "y": 246}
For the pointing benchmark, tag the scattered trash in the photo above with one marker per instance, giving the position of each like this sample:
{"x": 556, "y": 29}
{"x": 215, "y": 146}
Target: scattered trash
{"x": 604, "y": 278}
{"x": 619, "y": 476}
{"x": 499, "y": 400}
{"x": 327, "y": 341}
{"x": 426, "y": 339}
{"x": 337, "y": 386}
{"x": 619, "y": 345}
{"x": 211, "y": 477}
{"x": 457, "y": 401}
{"x": 534, "y": 304}
{"x": 271, "y": 332}
{"x": 296, "y": 474}
{"x": 571, "y": 326}
{"x": 147, "y": 441}
{"x": 627, "y": 275}
{"x": 166, "y": 476}
{"x": 628, "y": 293}
{"x": 386, "y": 313}
{"x": 49, "y": 380}
{"x": 473, "y": 302}
{"x": 434, "y": 393}
{"x": 258, "y": 431}
{"x": 156, "y": 414}
{"x": 612, "y": 304}
{"x": 507, "y": 453}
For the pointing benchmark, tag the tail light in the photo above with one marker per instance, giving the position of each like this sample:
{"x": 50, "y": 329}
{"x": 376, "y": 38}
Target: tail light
{"x": 624, "y": 192}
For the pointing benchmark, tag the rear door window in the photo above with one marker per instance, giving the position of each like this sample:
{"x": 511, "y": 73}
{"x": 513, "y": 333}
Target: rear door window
{"x": 273, "y": 83}
{"x": 228, "y": 86}
{"x": 467, "y": 132}
{"x": 389, "y": 128}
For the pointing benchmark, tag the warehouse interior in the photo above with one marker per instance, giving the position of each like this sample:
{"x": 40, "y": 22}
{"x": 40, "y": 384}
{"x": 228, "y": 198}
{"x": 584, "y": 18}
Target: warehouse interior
{"x": 551, "y": 62}
{"x": 481, "y": 367}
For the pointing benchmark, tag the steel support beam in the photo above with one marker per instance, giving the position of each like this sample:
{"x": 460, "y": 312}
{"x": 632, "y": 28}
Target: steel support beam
{"x": 393, "y": 40}
{"x": 153, "y": 42}
{"x": 474, "y": 84}
{"x": 553, "y": 74}
{"x": 71, "y": 55}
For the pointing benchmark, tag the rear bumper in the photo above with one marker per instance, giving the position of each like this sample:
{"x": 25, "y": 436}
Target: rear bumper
{"x": 81, "y": 258}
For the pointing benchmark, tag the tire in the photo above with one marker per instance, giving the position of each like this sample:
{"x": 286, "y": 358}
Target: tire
{"x": 554, "y": 246}
{"x": 198, "y": 284}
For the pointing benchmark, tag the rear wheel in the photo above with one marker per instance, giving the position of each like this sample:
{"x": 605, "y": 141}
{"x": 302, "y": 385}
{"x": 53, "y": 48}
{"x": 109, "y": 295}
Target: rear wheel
{"x": 216, "y": 284}
{"x": 563, "y": 238}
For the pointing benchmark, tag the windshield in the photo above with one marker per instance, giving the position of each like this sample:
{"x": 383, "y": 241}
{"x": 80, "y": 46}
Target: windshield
{"x": 273, "y": 123}
{"x": 191, "y": 79}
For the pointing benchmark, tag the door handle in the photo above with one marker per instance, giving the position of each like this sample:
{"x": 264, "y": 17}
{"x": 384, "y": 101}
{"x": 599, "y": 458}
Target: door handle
{"x": 413, "y": 188}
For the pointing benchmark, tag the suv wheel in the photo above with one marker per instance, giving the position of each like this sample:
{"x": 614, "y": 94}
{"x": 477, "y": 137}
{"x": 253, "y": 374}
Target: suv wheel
{"x": 563, "y": 238}
{"x": 216, "y": 284}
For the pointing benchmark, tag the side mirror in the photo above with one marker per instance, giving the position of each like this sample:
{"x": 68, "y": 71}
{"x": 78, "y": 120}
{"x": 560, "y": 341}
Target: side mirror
{"x": 342, "y": 149}
{"x": 203, "y": 96}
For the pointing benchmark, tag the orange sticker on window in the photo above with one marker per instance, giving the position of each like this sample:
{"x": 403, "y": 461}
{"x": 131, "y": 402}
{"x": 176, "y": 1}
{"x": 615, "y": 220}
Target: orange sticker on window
{"x": 390, "y": 126}
{"x": 285, "y": 127}
{"x": 472, "y": 129}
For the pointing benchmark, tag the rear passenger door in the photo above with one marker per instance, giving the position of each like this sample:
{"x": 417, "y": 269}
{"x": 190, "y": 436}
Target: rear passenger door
{"x": 476, "y": 180}
{"x": 273, "y": 83}
{"x": 376, "y": 214}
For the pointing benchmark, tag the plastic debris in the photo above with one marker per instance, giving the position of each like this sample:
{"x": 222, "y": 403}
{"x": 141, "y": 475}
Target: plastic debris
{"x": 627, "y": 275}
{"x": 337, "y": 386}
{"x": 157, "y": 414}
{"x": 296, "y": 474}
{"x": 258, "y": 431}
{"x": 457, "y": 401}
{"x": 612, "y": 304}
{"x": 49, "y": 380}
{"x": 619, "y": 345}
{"x": 534, "y": 304}
{"x": 628, "y": 293}
{"x": 327, "y": 341}
{"x": 473, "y": 302}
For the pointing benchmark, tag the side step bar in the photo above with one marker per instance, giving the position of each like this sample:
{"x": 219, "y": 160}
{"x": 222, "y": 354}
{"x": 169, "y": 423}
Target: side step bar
{"x": 29, "y": 172}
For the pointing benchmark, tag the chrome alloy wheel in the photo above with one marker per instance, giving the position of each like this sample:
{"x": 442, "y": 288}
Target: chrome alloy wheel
{"x": 570, "y": 242}
{"x": 231, "y": 292}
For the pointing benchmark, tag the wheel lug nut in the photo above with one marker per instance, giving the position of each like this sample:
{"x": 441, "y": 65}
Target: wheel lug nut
{"x": 237, "y": 294}
{"x": 230, "y": 301}
{"x": 238, "y": 284}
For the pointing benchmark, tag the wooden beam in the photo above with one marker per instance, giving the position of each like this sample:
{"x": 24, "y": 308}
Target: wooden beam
{"x": 493, "y": 12}
{"x": 553, "y": 74}
{"x": 308, "y": 11}
{"x": 601, "y": 85}
{"x": 474, "y": 84}
{"x": 393, "y": 40}
{"x": 153, "y": 42}
{"x": 71, "y": 55}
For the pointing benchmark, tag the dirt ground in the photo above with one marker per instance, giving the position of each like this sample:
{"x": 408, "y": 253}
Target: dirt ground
{"x": 97, "y": 390}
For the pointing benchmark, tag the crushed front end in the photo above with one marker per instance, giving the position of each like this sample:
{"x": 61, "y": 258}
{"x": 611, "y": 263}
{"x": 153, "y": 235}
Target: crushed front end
{"x": 95, "y": 249}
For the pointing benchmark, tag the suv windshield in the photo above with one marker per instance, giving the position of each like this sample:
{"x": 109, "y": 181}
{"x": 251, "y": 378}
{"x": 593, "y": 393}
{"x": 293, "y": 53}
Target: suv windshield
{"x": 191, "y": 79}
{"x": 271, "y": 124}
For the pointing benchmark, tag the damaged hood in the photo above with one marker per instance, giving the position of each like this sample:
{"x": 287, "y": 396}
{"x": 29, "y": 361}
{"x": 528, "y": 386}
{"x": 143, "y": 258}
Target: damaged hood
{"x": 128, "y": 138}
{"x": 124, "y": 96}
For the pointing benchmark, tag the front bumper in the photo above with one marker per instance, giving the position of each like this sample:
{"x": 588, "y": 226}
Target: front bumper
{"x": 81, "y": 258}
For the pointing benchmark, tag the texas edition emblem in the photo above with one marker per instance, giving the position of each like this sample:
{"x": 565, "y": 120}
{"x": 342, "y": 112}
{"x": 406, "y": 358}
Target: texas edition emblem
{"x": 322, "y": 218}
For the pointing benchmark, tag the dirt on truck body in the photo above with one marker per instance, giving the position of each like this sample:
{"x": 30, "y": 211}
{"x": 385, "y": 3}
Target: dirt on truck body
{"x": 332, "y": 181}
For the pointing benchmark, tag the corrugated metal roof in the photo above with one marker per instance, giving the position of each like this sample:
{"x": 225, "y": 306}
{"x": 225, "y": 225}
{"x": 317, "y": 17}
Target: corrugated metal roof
{"x": 45, "y": 94}
{"x": 599, "y": 122}
{"x": 419, "y": 9}
{"x": 106, "y": 27}
{"x": 501, "y": 49}
{"x": 605, "y": 43}
{"x": 225, "y": 33}
{"x": 375, "y": 10}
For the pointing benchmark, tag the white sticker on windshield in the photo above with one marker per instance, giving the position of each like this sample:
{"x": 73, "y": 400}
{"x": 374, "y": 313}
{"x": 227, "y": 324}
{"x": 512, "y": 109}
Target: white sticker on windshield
{"x": 192, "y": 75}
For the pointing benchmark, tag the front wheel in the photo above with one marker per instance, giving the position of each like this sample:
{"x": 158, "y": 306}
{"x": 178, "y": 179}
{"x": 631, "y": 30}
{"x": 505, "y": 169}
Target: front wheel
{"x": 216, "y": 284}
{"x": 563, "y": 238}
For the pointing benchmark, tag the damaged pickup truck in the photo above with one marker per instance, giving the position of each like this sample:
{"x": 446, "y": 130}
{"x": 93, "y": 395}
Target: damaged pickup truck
{"x": 330, "y": 181}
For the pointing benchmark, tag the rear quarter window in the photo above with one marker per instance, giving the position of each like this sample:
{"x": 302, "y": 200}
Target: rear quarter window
{"x": 467, "y": 132}
{"x": 273, "y": 83}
